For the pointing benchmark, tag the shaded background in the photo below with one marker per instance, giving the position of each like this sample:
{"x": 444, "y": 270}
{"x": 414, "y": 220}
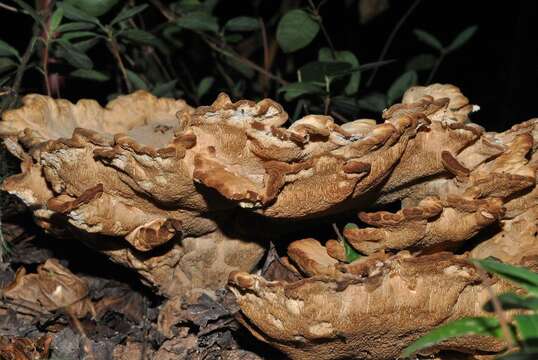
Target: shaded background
{"x": 497, "y": 69}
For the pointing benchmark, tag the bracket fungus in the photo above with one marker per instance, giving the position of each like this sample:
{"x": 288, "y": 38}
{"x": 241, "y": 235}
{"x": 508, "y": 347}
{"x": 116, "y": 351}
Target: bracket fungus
{"x": 178, "y": 193}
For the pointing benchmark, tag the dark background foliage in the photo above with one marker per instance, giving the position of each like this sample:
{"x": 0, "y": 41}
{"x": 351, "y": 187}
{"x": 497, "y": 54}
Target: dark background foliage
{"x": 496, "y": 68}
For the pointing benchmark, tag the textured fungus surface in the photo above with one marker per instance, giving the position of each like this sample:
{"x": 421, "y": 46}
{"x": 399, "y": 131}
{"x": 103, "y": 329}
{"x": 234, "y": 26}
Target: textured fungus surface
{"x": 179, "y": 195}
{"x": 370, "y": 313}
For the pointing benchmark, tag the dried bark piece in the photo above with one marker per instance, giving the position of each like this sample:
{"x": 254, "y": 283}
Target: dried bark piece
{"x": 53, "y": 287}
{"x": 371, "y": 317}
{"x": 24, "y": 348}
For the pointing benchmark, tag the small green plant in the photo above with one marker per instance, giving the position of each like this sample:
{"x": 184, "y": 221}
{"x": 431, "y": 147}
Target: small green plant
{"x": 189, "y": 49}
{"x": 520, "y": 332}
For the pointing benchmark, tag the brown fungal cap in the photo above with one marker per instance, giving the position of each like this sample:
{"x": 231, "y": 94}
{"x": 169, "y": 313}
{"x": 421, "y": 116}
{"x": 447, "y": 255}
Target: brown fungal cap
{"x": 407, "y": 295}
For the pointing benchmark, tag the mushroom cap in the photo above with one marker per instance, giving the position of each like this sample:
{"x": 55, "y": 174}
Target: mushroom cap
{"x": 365, "y": 317}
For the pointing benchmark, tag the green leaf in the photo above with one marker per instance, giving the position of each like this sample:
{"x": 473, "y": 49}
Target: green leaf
{"x": 90, "y": 75}
{"x": 400, "y": 85}
{"x": 462, "y": 38}
{"x": 519, "y": 275}
{"x": 4, "y": 80}
{"x": 27, "y": 9}
{"x": 513, "y": 301}
{"x": 77, "y": 35}
{"x": 295, "y": 90}
{"x": 74, "y": 56}
{"x": 139, "y": 36}
{"x": 351, "y": 253}
{"x": 527, "y": 327}
{"x": 242, "y": 23}
{"x": 346, "y": 56}
{"x": 85, "y": 45}
{"x": 6, "y": 64}
{"x": 204, "y": 86}
{"x": 345, "y": 104}
{"x": 233, "y": 38}
{"x": 199, "y": 21}
{"x": 56, "y": 19}
{"x": 428, "y": 39}
{"x": 421, "y": 62}
{"x": 136, "y": 80}
{"x": 375, "y": 102}
{"x": 296, "y": 29}
{"x": 164, "y": 89}
{"x": 128, "y": 13}
{"x": 468, "y": 326}
{"x": 319, "y": 71}
{"x": 185, "y": 6}
{"x": 8, "y": 50}
{"x": 75, "y": 14}
{"x": 75, "y": 26}
{"x": 375, "y": 64}
{"x": 94, "y": 7}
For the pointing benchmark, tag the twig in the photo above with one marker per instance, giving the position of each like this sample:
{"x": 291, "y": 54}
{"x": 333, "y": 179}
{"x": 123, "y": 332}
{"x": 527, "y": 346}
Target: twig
{"x": 22, "y": 68}
{"x": 245, "y": 61}
{"x": 319, "y": 19}
{"x": 391, "y": 38}
{"x": 169, "y": 15}
{"x": 212, "y": 44}
{"x": 46, "y": 64}
{"x": 497, "y": 306}
{"x": 338, "y": 234}
{"x": 327, "y": 104}
{"x": 116, "y": 53}
{"x": 9, "y": 8}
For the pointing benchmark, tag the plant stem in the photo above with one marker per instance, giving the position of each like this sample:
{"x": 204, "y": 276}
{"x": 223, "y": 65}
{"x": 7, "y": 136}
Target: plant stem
{"x": 9, "y": 8}
{"x": 21, "y": 69}
{"x": 24, "y": 62}
{"x": 116, "y": 53}
{"x": 245, "y": 61}
{"x": 167, "y": 13}
{"x": 501, "y": 315}
{"x": 227, "y": 51}
{"x": 327, "y": 104}
{"x": 319, "y": 19}
{"x": 436, "y": 67}
{"x": 46, "y": 64}
{"x": 391, "y": 39}
{"x": 338, "y": 234}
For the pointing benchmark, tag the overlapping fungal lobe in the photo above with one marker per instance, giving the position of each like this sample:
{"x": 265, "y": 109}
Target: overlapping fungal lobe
{"x": 459, "y": 181}
{"x": 120, "y": 171}
{"x": 370, "y": 309}
{"x": 311, "y": 168}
